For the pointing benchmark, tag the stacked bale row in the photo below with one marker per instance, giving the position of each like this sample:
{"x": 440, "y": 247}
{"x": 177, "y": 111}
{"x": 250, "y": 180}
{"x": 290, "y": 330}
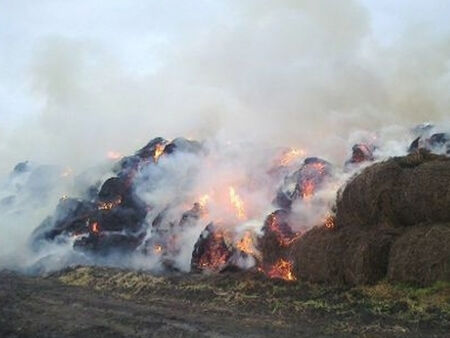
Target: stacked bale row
{"x": 393, "y": 220}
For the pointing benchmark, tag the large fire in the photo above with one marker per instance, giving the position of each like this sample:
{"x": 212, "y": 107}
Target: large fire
{"x": 237, "y": 226}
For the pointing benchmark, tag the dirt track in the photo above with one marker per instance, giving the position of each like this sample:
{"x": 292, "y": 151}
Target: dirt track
{"x": 49, "y": 307}
{"x": 37, "y": 307}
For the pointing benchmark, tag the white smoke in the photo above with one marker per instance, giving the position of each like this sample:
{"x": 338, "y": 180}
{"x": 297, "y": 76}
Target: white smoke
{"x": 253, "y": 74}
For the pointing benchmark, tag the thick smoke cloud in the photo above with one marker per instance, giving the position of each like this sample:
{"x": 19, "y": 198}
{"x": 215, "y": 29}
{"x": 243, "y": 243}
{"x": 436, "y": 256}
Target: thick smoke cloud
{"x": 308, "y": 74}
{"x": 285, "y": 72}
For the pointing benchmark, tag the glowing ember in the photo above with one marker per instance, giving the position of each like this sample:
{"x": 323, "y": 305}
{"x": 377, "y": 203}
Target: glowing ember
{"x": 157, "y": 249}
{"x": 308, "y": 188}
{"x": 283, "y": 270}
{"x": 329, "y": 222}
{"x": 159, "y": 149}
{"x": 212, "y": 250}
{"x": 277, "y": 225}
{"x": 113, "y": 155}
{"x": 203, "y": 200}
{"x": 238, "y": 204}
{"x": 320, "y": 167}
{"x": 217, "y": 254}
{"x": 246, "y": 244}
{"x": 291, "y": 155}
{"x": 95, "y": 228}
{"x": 109, "y": 205}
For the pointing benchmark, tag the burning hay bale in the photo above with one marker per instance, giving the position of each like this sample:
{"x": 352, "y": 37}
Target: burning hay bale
{"x": 213, "y": 250}
{"x": 361, "y": 152}
{"x": 421, "y": 255}
{"x": 276, "y": 238}
{"x": 401, "y": 191}
{"x": 304, "y": 182}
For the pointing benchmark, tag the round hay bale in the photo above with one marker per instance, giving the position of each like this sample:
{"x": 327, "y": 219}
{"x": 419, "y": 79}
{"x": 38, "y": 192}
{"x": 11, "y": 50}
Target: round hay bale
{"x": 344, "y": 256}
{"x": 421, "y": 255}
{"x": 401, "y": 191}
{"x": 316, "y": 256}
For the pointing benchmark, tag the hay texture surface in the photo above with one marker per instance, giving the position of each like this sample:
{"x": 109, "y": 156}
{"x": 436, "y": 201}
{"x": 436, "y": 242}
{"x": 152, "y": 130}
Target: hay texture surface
{"x": 393, "y": 220}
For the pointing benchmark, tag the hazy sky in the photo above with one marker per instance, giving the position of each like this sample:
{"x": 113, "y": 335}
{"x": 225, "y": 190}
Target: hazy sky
{"x": 138, "y": 33}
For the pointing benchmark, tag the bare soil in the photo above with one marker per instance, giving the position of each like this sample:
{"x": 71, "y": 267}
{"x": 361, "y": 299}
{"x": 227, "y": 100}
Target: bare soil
{"x": 105, "y": 302}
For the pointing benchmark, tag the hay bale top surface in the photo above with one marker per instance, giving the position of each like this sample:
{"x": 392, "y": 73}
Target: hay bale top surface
{"x": 401, "y": 191}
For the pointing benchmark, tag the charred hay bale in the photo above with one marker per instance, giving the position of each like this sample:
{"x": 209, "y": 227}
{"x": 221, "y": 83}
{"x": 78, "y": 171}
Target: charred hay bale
{"x": 421, "y": 255}
{"x": 401, "y": 191}
{"x": 276, "y": 238}
{"x": 343, "y": 256}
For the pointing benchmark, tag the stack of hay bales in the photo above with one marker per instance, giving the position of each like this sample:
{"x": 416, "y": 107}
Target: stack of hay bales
{"x": 392, "y": 220}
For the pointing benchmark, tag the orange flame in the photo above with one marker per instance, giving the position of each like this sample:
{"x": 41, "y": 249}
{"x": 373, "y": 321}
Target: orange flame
{"x": 282, "y": 269}
{"x": 238, "y": 204}
{"x": 308, "y": 189}
{"x": 95, "y": 228}
{"x": 246, "y": 244}
{"x": 203, "y": 200}
{"x": 109, "y": 205}
{"x": 159, "y": 149}
{"x": 217, "y": 254}
{"x": 320, "y": 167}
{"x": 283, "y": 239}
{"x": 157, "y": 249}
{"x": 329, "y": 222}
{"x": 291, "y": 155}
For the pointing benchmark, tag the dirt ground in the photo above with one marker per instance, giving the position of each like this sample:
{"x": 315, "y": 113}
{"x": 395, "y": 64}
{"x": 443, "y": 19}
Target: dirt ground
{"x": 105, "y": 302}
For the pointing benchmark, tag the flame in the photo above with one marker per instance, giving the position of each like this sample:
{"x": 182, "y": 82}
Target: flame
{"x": 291, "y": 155}
{"x": 109, "y": 205}
{"x": 246, "y": 244}
{"x": 284, "y": 238}
{"x": 320, "y": 167}
{"x": 329, "y": 222}
{"x": 217, "y": 253}
{"x": 159, "y": 149}
{"x": 282, "y": 269}
{"x": 308, "y": 188}
{"x": 157, "y": 249}
{"x": 113, "y": 155}
{"x": 95, "y": 228}
{"x": 203, "y": 200}
{"x": 238, "y": 204}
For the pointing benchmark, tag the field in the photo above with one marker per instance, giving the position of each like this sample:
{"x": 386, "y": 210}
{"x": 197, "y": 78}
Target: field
{"x": 105, "y": 302}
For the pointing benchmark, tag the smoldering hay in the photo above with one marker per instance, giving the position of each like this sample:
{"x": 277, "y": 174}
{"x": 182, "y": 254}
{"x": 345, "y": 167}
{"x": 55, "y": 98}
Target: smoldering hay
{"x": 184, "y": 205}
{"x": 249, "y": 78}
